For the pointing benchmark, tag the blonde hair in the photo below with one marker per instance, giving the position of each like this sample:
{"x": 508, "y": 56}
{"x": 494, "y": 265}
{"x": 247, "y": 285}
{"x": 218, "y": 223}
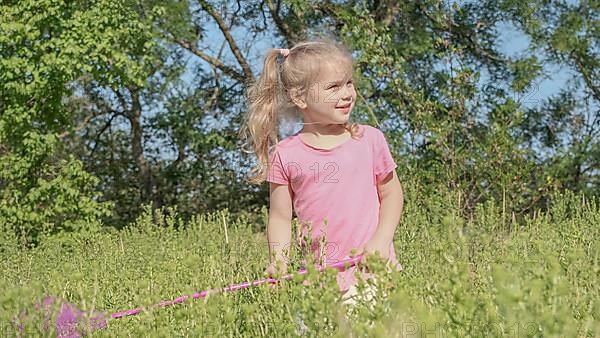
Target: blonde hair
{"x": 270, "y": 97}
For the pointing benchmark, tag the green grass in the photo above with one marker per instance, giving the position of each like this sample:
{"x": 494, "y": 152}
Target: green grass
{"x": 462, "y": 278}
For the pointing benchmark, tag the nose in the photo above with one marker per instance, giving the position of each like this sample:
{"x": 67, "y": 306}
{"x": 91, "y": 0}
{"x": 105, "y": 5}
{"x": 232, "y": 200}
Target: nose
{"x": 347, "y": 92}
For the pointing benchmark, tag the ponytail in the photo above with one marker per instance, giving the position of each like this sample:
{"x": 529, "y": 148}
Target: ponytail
{"x": 261, "y": 128}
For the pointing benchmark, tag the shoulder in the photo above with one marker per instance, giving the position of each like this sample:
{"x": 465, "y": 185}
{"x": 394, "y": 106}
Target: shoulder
{"x": 283, "y": 146}
{"x": 368, "y": 128}
{"x": 372, "y": 133}
{"x": 287, "y": 142}
{"x": 371, "y": 129}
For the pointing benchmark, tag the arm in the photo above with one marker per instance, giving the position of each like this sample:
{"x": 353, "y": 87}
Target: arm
{"x": 391, "y": 198}
{"x": 279, "y": 227}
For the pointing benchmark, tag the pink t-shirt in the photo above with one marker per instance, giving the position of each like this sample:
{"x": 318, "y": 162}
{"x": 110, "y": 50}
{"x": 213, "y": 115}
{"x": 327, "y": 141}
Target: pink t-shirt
{"x": 335, "y": 190}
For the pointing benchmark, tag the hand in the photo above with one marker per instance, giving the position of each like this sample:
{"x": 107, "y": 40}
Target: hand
{"x": 272, "y": 271}
{"x": 375, "y": 247}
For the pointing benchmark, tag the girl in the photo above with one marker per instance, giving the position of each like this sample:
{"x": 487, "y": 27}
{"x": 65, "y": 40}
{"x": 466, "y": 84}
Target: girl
{"x": 337, "y": 176}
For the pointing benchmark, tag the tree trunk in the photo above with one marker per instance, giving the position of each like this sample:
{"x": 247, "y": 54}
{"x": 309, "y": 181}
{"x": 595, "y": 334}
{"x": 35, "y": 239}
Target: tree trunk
{"x": 137, "y": 148}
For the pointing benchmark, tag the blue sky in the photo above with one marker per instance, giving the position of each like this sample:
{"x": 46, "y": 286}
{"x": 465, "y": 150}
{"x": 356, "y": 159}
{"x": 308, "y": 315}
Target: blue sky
{"x": 513, "y": 43}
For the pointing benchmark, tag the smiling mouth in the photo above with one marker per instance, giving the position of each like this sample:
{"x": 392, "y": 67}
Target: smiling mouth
{"x": 344, "y": 107}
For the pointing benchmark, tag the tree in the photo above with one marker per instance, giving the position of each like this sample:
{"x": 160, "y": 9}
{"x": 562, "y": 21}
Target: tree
{"x": 565, "y": 129}
{"x": 152, "y": 144}
{"x": 46, "y": 48}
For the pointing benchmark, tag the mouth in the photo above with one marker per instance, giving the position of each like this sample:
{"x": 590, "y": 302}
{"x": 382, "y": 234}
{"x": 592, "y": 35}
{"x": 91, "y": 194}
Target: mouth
{"x": 344, "y": 107}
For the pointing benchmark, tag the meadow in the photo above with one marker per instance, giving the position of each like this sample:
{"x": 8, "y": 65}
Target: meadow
{"x": 483, "y": 276}
{"x": 108, "y": 106}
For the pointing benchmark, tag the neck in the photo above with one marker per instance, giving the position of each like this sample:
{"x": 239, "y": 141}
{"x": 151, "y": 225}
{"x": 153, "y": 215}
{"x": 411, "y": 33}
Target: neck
{"x": 319, "y": 129}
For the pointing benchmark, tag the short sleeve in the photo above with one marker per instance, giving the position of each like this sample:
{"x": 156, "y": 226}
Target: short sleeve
{"x": 383, "y": 161}
{"x": 276, "y": 171}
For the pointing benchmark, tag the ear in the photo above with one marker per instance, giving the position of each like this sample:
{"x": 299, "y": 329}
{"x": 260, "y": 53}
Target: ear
{"x": 298, "y": 99}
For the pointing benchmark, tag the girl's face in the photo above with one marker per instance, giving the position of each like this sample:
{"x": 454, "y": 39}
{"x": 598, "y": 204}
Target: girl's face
{"x": 332, "y": 96}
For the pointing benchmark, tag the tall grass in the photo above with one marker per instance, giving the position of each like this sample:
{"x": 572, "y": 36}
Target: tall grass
{"x": 486, "y": 276}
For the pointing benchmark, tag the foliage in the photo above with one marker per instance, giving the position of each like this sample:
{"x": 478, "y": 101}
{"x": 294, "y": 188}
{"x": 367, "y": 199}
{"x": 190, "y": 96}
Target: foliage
{"x": 46, "y": 45}
{"x": 461, "y": 277}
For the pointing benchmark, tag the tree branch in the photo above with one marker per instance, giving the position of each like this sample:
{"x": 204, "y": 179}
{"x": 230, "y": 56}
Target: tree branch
{"x": 385, "y": 11}
{"x": 448, "y": 27}
{"x": 209, "y": 59}
{"x": 281, "y": 24}
{"x": 101, "y": 108}
{"x": 586, "y": 75}
{"x": 232, "y": 44}
{"x": 104, "y": 128}
{"x": 81, "y": 125}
